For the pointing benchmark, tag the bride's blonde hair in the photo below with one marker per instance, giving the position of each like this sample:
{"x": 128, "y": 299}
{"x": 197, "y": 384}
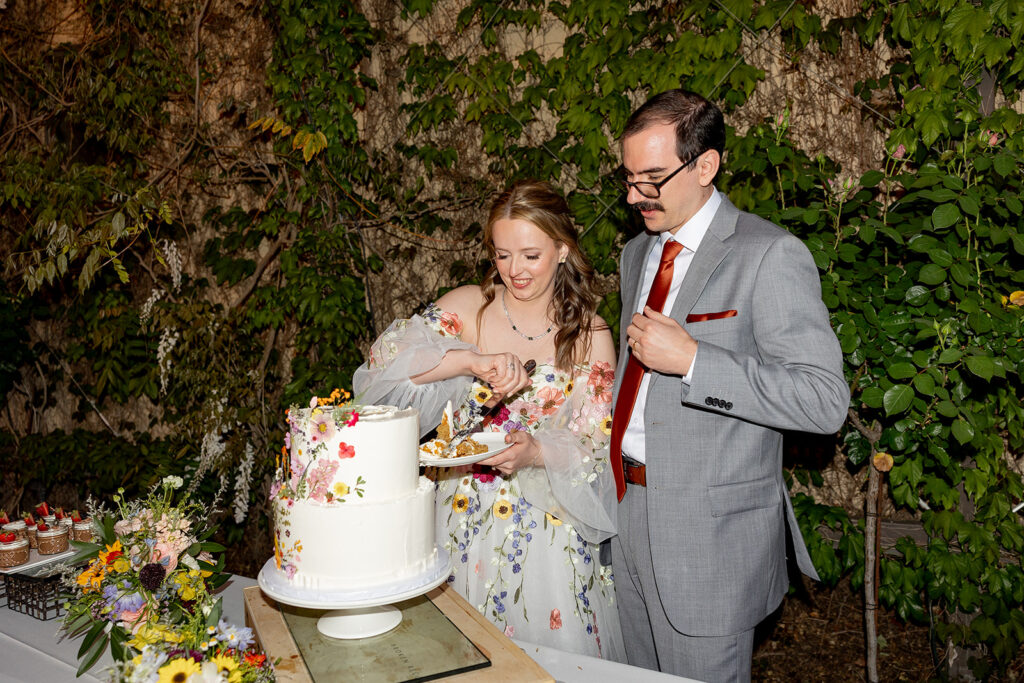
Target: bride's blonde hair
{"x": 574, "y": 300}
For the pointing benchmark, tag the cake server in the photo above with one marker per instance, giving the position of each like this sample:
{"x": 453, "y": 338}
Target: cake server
{"x": 475, "y": 422}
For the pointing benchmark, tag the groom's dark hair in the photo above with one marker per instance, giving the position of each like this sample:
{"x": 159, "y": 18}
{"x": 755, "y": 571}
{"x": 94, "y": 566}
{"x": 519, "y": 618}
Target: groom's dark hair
{"x": 698, "y": 122}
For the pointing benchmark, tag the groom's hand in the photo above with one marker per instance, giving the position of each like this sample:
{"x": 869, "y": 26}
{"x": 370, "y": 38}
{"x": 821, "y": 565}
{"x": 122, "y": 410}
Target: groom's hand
{"x": 660, "y": 343}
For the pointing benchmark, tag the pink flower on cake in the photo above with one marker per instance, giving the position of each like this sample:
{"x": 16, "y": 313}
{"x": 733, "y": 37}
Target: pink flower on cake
{"x": 351, "y": 421}
{"x": 555, "y": 622}
{"x": 288, "y": 440}
{"x": 320, "y": 479}
{"x": 321, "y": 428}
{"x": 550, "y": 398}
{"x": 314, "y": 402}
{"x": 346, "y": 451}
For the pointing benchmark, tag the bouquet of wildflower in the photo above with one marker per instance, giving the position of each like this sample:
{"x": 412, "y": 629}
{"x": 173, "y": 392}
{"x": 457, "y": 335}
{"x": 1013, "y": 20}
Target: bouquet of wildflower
{"x": 148, "y": 583}
{"x": 209, "y": 651}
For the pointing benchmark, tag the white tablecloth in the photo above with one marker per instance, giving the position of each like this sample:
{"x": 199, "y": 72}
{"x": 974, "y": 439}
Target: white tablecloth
{"x": 31, "y": 652}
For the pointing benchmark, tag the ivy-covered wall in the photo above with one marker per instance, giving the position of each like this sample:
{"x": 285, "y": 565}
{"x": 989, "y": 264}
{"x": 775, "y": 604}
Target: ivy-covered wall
{"x": 210, "y": 208}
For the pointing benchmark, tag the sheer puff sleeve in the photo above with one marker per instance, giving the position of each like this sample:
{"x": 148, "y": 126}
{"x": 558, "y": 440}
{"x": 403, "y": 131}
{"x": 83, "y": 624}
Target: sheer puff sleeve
{"x": 575, "y": 484}
{"x": 410, "y": 347}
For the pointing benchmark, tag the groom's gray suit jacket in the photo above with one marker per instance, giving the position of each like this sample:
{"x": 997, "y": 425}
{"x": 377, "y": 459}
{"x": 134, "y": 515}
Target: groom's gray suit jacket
{"x": 716, "y": 500}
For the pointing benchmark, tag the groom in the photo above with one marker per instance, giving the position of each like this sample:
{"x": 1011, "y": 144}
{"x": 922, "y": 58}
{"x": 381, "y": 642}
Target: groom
{"x": 725, "y": 344}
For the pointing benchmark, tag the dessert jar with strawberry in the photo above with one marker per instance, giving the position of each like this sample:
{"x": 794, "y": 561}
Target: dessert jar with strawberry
{"x": 52, "y": 539}
{"x": 30, "y": 529}
{"x": 44, "y": 513}
{"x": 17, "y": 527}
{"x": 13, "y": 550}
{"x": 81, "y": 529}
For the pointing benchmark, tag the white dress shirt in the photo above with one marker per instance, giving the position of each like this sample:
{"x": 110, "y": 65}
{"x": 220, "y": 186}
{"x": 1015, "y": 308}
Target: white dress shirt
{"x": 689, "y": 235}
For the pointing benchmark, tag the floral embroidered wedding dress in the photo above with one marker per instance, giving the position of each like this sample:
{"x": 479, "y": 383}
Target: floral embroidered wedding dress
{"x": 524, "y": 547}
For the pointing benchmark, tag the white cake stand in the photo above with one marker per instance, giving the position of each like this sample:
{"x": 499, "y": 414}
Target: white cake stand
{"x": 359, "y": 613}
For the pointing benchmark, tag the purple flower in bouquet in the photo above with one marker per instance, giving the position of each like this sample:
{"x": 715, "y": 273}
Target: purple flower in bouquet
{"x": 151, "y": 576}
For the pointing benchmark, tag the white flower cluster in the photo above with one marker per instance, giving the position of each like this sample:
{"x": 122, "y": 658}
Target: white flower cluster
{"x": 168, "y": 340}
{"x": 173, "y": 257}
{"x": 147, "y": 308}
{"x": 241, "y": 504}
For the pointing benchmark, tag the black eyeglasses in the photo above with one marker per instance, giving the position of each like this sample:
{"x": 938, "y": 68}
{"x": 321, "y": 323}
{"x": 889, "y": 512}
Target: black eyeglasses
{"x": 653, "y": 190}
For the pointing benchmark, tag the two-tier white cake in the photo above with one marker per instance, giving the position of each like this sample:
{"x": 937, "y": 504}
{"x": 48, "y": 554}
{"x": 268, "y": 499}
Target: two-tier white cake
{"x": 351, "y": 510}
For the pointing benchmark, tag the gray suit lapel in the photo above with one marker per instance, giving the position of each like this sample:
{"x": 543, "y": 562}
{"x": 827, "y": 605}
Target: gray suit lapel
{"x": 712, "y": 250}
{"x": 638, "y": 263}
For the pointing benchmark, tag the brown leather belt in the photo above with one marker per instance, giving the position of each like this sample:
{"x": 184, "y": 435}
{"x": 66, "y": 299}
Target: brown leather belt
{"x": 635, "y": 472}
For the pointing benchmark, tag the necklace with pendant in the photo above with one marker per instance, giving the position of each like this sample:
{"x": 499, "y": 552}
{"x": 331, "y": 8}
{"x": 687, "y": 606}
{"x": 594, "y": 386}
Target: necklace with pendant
{"x": 516, "y": 329}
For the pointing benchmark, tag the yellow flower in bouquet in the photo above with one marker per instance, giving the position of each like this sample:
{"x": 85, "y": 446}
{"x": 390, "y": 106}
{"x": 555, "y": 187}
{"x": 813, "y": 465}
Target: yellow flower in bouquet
{"x": 178, "y": 670}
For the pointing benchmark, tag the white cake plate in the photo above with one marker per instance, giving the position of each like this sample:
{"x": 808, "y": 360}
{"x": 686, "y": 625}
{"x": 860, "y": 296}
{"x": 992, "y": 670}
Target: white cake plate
{"x": 355, "y": 614}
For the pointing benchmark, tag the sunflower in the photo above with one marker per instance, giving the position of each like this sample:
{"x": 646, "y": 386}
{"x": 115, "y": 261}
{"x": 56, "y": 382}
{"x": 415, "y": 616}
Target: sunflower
{"x": 568, "y": 387}
{"x": 460, "y": 503}
{"x": 606, "y": 425}
{"x": 178, "y": 670}
{"x": 502, "y": 509}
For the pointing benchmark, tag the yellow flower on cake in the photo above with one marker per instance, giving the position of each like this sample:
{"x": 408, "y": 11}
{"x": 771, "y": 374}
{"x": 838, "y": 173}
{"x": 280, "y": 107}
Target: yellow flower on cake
{"x": 341, "y": 489}
{"x": 502, "y": 509}
{"x": 460, "y": 503}
{"x": 178, "y": 670}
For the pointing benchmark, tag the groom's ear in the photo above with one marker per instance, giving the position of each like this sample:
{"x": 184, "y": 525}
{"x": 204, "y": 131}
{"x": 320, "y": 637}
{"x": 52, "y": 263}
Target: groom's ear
{"x": 707, "y": 167}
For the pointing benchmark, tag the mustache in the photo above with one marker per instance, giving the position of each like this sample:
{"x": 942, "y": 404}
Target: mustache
{"x": 648, "y": 206}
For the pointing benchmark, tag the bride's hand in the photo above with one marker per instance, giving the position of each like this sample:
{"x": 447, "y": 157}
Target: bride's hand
{"x": 503, "y": 371}
{"x": 524, "y": 452}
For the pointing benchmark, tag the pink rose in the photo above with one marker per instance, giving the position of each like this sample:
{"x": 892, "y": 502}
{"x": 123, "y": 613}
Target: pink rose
{"x": 556, "y": 620}
{"x": 165, "y": 555}
{"x": 132, "y": 619}
{"x": 900, "y": 151}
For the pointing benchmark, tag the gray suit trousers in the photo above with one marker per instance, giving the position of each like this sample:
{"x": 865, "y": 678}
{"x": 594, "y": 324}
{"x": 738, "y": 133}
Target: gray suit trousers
{"x": 650, "y": 639}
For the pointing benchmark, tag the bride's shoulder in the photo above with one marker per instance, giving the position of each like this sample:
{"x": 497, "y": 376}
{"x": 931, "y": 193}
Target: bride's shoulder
{"x": 463, "y": 301}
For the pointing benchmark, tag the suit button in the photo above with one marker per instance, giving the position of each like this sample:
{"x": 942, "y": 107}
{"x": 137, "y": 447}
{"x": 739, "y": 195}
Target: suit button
{"x": 717, "y": 402}
{"x": 707, "y": 400}
{"x": 728, "y": 405}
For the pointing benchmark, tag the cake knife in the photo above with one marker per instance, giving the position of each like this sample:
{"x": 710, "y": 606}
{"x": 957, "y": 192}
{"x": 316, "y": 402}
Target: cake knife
{"x": 475, "y": 422}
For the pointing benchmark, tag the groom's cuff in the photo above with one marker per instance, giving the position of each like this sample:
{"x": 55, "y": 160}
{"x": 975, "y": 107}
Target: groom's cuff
{"x": 688, "y": 377}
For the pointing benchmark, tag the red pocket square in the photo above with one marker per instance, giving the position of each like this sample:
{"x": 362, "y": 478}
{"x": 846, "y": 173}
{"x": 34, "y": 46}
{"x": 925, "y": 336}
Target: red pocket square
{"x": 701, "y": 317}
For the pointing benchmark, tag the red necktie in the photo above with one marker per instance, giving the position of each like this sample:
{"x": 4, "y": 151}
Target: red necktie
{"x": 634, "y": 373}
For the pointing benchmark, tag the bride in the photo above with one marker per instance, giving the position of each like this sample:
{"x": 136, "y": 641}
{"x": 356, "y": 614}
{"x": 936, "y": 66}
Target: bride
{"x": 522, "y": 526}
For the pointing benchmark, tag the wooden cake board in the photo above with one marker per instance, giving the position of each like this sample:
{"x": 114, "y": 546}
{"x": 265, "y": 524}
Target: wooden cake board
{"x": 509, "y": 664}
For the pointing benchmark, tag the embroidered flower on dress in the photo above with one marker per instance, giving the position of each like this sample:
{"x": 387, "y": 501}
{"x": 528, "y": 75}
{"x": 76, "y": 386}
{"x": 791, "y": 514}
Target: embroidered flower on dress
{"x": 502, "y": 509}
{"x": 606, "y": 425}
{"x": 553, "y": 521}
{"x": 550, "y": 399}
{"x": 460, "y": 503}
{"x": 483, "y": 394}
{"x": 451, "y": 324}
{"x": 555, "y": 621}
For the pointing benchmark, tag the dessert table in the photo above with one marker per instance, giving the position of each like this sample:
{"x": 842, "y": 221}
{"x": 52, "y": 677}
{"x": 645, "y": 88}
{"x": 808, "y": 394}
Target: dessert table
{"x": 33, "y": 652}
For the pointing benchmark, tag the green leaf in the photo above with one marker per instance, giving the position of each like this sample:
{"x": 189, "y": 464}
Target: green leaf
{"x": 872, "y": 397}
{"x": 901, "y": 370}
{"x": 931, "y": 274}
{"x": 897, "y": 399}
{"x": 963, "y": 431}
{"x": 924, "y": 384}
{"x": 982, "y": 366}
{"x": 950, "y": 355}
{"x": 945, "y": 215}
{"x": 1004, "y": 164}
